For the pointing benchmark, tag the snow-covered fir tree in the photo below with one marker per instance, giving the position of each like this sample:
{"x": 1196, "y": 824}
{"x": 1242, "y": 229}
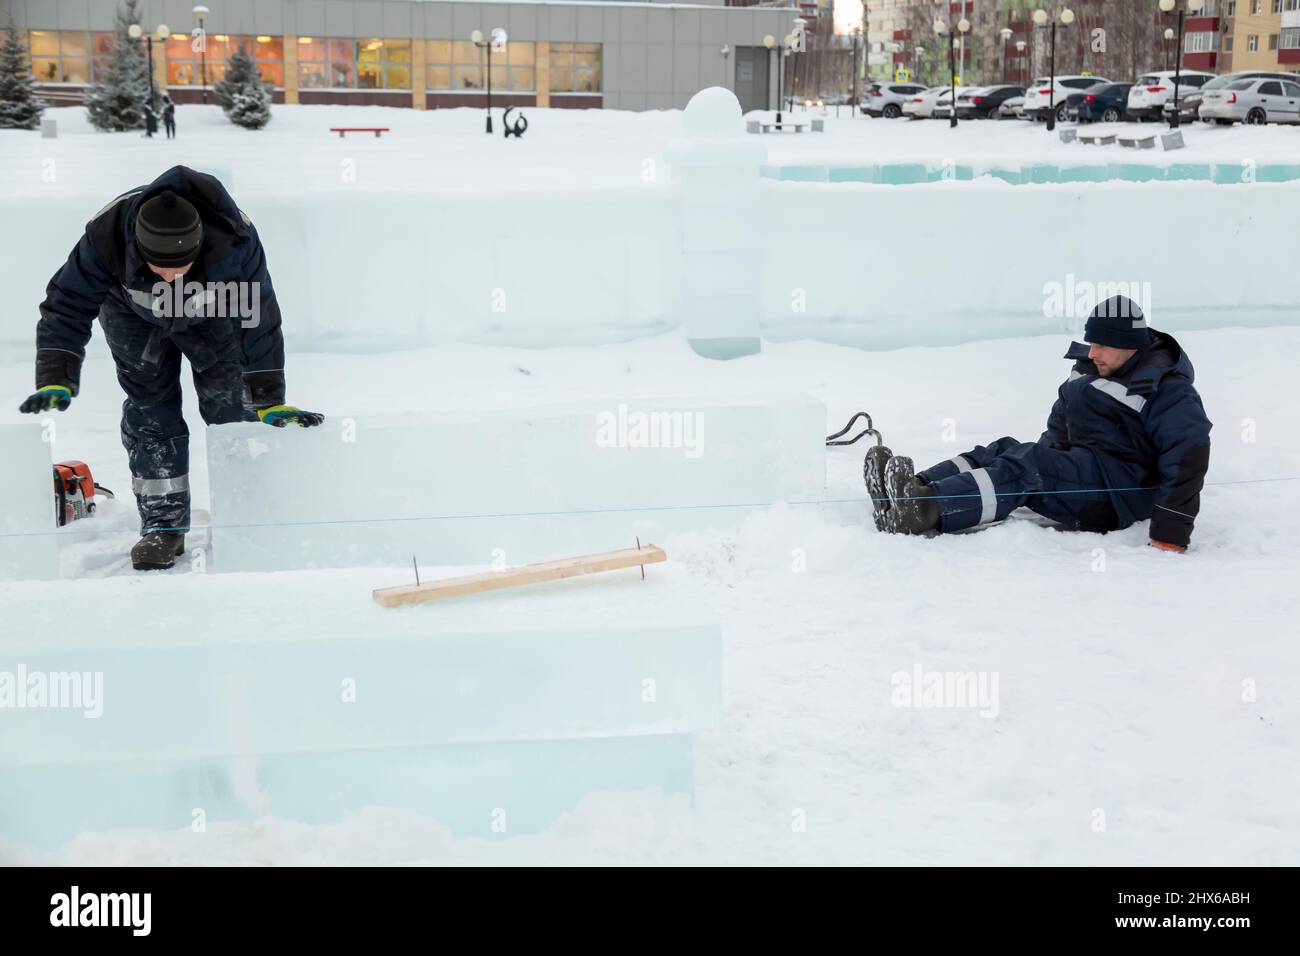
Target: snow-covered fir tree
{"x": 20, "y": 107}
{"x": 120, "y": 94}
{"x": 242, "y": 94}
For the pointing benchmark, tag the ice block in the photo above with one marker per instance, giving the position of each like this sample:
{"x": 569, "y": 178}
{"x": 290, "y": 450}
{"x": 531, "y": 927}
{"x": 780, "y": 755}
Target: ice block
{"x": 295, "y": 694}
{"x": 29, "y": 547}
{"x": 526, "y": 485}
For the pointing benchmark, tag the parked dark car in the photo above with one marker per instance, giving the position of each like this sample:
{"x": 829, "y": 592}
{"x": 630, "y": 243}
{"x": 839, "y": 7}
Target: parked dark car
{"x": 1106, "y": 104}
{"x": 984, "y": 103}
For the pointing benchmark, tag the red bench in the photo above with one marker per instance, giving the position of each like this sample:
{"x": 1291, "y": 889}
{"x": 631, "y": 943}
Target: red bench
{"x": 377, "y": 130}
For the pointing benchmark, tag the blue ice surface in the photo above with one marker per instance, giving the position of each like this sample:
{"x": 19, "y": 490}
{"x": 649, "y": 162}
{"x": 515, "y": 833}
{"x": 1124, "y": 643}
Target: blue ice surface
{"x": 896, "y": 174}
{"x": 523, "y": 703}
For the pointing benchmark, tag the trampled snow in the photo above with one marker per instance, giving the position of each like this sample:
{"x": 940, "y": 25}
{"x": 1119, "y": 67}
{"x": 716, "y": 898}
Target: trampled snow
{"x": 1131, "y": 706}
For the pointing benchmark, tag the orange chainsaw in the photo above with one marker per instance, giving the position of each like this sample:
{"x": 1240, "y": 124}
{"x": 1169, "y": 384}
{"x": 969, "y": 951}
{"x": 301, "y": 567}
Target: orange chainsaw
{"x": 74, "y": 492}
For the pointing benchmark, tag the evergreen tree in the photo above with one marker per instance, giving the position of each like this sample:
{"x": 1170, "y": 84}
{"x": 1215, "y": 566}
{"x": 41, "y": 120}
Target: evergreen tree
{"x": 243, "y": 96}
{"x": 120, "y": 94}
{"x": 20, "y": 108}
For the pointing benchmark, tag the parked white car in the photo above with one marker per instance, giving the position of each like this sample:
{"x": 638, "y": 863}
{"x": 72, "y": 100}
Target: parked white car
{"x": 1253, "y": 101}
{"x": 1011, "y": 108}
{"x": 922, "y": 105}
{"x": 1039, "y": 96}
{"x": 1147, "y": 98}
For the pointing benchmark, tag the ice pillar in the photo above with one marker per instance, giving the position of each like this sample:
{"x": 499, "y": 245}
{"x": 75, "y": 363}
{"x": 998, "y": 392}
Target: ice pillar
{"x": 715, "y": 166}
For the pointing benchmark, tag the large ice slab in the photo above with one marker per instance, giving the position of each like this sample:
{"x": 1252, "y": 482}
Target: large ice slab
{"x": 519, "y": 485}
{"x": 485, "y": 790}
{"x": 295, "y": 694}
{"x": 29, "y": 547}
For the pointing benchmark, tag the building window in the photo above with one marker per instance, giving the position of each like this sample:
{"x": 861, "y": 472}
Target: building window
{"x": 1227, "y": 44}
{"x": 383, "y": 64}
{"x": 1277, "y": 6}
{"x": 1254, "y": 8}
{"x": 1290, "y": 39}
{"x": 1272, "y": 41}
{"x": 459, "y": 65}
{"x": 1252, "y": 43}
{"x": 1232, "y": 8}
{"x": 1198, "y": 43}
{"x": 575, "y": 67}
{"x": 369, "y": 64}
{"x": 59, "y": 56}
{"x": 268, "y": 53}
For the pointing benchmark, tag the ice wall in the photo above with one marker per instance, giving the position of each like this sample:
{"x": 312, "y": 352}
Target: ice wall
{"x": 467, "y": 716}
{"x": 870, "y": 264}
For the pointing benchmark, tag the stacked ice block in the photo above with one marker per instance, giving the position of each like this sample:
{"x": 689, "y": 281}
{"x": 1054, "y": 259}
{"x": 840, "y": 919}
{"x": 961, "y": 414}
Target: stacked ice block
{"x": 295, "y": 695}
{"x": 517, "y": 485}
{"x": 28, "y": 543}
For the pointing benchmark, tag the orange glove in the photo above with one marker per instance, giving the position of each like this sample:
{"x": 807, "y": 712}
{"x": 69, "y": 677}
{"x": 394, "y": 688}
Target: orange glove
{"x": 1165, "y": 546}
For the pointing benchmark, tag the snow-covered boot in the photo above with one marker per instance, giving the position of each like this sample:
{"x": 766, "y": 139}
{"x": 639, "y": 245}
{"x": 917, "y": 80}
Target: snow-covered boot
{"x": 873, "y": 472}
{"x": 157, "y": 550}
{"x": 913, "y": 509}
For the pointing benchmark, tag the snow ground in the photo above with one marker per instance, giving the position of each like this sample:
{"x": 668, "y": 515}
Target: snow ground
{"x": 1120, "y": 672}
{"x": 447, "y": 150}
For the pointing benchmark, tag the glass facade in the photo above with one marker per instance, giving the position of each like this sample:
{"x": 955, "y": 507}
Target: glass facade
{"x": 59, "y": 56}
{"x": 372, "y": 63}
{"x": 460, "y": 66}
{"x": 368, "y": 64}
{"x": 575, "y": 67}
{"x": 185, "y": 56}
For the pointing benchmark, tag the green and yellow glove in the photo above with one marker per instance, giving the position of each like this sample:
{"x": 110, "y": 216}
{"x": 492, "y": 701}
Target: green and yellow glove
{"x": 281, "y": 415}
{"x": 46, "y": 398}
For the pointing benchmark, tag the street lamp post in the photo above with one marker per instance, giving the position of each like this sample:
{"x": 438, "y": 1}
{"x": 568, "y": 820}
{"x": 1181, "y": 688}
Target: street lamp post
{"x": 135, "y": 31}
{"x": 1005, "y": 33}
{"x": 963, "y": 27}
{"x": 853, "y": 75}
{"x": 941, "y": 29}
{"x": 1066, "y": 18}
{"x": 1166, "y": 6}
{"x": 1169, "y": 35}
{"x": 1020, "y": 56}
{"x": 200, "y": 12}
{"x": 782, "y": 50}
{"x": 495, "y": 41}
{"x": 917, "y": 53}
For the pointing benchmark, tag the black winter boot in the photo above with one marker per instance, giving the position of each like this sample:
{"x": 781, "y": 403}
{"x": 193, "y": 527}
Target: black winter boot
{"x": 873, "y": 473}
{"x": 913, "y": 508}
{"x": 157, "y": 551}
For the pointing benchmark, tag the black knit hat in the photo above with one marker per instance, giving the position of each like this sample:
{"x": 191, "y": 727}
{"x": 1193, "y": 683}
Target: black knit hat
{"x": 168, "y": 231}
{"x": 1118, "y": 323}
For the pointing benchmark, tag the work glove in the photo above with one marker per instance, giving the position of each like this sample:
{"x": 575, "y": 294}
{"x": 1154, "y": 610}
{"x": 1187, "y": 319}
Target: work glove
{"x": 281, "y": 415}
{"x": 46, "y": 398}
{"x": 1165, "y": 546}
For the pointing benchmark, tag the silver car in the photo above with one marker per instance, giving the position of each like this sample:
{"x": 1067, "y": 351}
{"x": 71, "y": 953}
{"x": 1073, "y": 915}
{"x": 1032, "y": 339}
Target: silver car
{"x": 887, "y": 99}
{"x": 1189, "y": 102}
{"x": 1254, "y": 101}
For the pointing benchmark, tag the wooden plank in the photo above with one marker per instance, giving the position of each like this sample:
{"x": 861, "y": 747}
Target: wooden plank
{"x": 515, "y": 577}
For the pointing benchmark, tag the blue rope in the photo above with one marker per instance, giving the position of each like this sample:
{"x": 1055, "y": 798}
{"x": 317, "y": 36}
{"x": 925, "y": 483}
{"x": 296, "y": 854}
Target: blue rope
{"x": 591, "y": 511}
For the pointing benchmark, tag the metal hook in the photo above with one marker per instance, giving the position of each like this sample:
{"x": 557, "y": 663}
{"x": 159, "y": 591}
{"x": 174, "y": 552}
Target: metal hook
{"x": 869, "y": 430}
